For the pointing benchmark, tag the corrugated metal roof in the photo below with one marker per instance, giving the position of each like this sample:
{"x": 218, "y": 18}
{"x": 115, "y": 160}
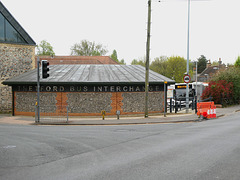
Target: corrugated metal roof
{"x": 91, "y": 74}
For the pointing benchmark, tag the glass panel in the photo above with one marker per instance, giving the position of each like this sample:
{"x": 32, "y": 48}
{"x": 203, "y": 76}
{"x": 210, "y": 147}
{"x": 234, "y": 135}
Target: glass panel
{"x": 1, "y": 28}
{"x": 20, "y": 39}
{"x": 12, "y": 35}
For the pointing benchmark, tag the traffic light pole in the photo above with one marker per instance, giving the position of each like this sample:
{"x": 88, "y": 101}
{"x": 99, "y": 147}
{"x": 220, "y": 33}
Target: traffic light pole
{"x": 45, "y": 69}
{"x": 45, "y": 74}
{"x": 38, "y": 90}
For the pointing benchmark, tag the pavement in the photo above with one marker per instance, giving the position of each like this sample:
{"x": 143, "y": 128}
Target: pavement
{"x": 112, "y": 120}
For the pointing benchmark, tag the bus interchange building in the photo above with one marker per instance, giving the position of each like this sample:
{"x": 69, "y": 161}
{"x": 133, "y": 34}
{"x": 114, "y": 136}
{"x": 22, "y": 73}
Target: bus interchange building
{"x": 86, "y": 90}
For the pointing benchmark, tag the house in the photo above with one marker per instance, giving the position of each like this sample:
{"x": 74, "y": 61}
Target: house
{"x": 210, "y": 71}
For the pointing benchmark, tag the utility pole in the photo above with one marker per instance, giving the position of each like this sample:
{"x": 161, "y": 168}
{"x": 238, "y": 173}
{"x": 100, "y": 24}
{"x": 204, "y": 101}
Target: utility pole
{"x": 196, "y": 81}
{"x": 147, "y": 58}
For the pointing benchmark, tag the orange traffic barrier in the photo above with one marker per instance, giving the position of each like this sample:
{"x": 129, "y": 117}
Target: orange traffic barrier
{"x": 206, "y": 110}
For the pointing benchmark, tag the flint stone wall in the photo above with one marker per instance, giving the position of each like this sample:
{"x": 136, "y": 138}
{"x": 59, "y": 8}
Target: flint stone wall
{"x": 14, "y": 60}
{"x": 89, "y": 102}
{"x": 26, "y": 102}
{"x": 135, "y": 102}
{"x": 5, "y": 99}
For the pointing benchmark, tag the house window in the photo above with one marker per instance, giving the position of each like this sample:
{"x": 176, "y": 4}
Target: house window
{"x": 8, "y": 33}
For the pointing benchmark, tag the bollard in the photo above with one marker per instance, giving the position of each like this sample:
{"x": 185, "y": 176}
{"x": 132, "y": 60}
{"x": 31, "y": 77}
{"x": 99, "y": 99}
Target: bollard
{"x": 180, "y": 105}
{"x": 192, "y": 104}
{"x": 118, "y": 113}
{"x": 103, "y": 114}
{"x": 173, "y": 105}
{"x": 170, "y": 105}
{"x": 176, "y": 106}
{"x": 196, "y": 109}
{"x": 67, "y": 114}
{"x": 36, "y": 115}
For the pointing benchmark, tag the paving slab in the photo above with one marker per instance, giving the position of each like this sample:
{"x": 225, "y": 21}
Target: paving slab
{"x": 124, "y": 120}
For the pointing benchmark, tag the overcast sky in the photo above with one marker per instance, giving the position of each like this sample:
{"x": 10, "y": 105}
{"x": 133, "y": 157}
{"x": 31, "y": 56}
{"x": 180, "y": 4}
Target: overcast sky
{"x": 122, "y": 24}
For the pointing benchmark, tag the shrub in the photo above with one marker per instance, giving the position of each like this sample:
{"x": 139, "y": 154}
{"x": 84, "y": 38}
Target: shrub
{"x": 218, "y": 90}
{"x": 232, "y": 75}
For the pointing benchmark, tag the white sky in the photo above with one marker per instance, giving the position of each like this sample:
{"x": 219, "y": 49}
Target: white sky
{"x": 122, "y": 24}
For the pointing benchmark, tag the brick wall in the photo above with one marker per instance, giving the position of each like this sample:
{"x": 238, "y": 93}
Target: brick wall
{"x": 88, "y": 103}
{"x": 14, "y": 60}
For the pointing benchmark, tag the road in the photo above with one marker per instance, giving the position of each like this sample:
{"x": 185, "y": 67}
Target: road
{"x": 205, "y": 150}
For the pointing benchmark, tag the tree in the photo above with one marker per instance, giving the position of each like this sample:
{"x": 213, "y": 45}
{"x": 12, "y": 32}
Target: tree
{"x": 45, "y": 49}
{"x": 141, "y": 62}
{"x": 176, "y": 67}
{"x": 122, "y": 61}
{"x": 114, "y": 55}
{"x": 159, "y": 65}
{"x": 202, "y": 63}
{"x": 87, "y": 48}
{"x": 237, "y": 62}
{"x": 231, "y": 75}
{"x": 115, "y": 58}
{"x": 172, "y": 67}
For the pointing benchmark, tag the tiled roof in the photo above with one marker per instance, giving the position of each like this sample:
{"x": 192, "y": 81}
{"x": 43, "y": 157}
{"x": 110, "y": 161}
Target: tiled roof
{"x": 54, "y": 60}
{"x": 210, "y": 70}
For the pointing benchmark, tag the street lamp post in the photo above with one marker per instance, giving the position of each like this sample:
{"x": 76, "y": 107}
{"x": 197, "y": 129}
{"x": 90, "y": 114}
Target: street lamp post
{"x": 187, "y": 87}
{"x": 196, "y": 82}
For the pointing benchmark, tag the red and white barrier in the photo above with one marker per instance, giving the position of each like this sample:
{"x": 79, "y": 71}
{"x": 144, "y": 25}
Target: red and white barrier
{"x": 207, "y": 110}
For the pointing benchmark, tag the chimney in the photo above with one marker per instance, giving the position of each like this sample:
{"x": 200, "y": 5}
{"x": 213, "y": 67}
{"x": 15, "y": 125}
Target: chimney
{"x": 220, "y": 61}
{"x": 209, "y": 63}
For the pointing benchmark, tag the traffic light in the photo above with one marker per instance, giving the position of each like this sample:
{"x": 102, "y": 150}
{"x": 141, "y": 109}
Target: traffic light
{"x": 45, "y": 69}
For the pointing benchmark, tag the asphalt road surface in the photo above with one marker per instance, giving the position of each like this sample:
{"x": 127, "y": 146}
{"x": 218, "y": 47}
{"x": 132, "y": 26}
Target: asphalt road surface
{"x": 205, "y": 150}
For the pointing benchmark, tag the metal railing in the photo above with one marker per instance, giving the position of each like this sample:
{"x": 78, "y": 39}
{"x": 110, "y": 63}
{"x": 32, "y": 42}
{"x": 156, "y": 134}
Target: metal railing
{"x": 52, "y": 114}
{"x": 180, "y": 104}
